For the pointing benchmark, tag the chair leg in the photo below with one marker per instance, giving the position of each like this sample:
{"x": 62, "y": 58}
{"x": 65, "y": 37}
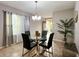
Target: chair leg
{"x": 29, "y": 53}
{"x": 42, "y": 51}
{"x": 23, "y": 52}
{"x": 52, "y": 51}
{"x": 52, "y": 54}
{"x": 49, "y": 53}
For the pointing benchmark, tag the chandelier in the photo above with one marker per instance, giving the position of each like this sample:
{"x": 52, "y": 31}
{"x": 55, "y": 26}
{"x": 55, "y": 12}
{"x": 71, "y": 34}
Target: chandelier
{"x": 36, "y": 16}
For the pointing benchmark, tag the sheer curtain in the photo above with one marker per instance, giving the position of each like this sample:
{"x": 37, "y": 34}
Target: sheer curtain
{"x": 18, "y": 27}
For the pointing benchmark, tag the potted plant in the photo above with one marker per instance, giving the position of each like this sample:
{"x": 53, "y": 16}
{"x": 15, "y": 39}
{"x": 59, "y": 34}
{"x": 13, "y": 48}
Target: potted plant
{"x": 65, "y": 27}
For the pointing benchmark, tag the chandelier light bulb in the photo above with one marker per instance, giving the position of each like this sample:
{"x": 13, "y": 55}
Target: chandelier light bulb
{"x": 39, "y": 17}
{"x": 36, "y": 17}
{"x": 33, "y": 17}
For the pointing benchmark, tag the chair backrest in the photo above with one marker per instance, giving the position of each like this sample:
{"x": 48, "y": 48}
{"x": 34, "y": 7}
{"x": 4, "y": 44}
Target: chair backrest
{"x": 50, "y": 40}
{"x": 44, "y": 33}
{"x": 26, "y": 41}
{"x": 27, "y": 32}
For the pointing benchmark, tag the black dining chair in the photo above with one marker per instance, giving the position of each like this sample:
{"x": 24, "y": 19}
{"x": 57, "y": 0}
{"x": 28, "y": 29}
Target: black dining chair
{"x": 49, "y": 45}
{"x": 44, "y": 36}
{"x": 27, "y": 44}
{"x": 28, "y": 33}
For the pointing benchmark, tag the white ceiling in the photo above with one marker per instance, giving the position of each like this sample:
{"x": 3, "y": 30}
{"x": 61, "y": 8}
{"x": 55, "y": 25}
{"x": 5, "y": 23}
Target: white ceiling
{"x": 45, "y": 8}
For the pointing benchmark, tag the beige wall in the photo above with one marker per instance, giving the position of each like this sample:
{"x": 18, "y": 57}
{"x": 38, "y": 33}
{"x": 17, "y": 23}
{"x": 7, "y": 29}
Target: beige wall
{"x": 35, "y": 26}
{"x": 10, "y": 9}
{"x": 57, "y": 16}
{"x": 77, "y": 27}
{"x": 1, "y": 27}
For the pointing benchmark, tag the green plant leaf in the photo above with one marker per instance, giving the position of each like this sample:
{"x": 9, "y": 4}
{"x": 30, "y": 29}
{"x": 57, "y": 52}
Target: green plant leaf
{"x": 63, "y": 22}
{"x": 76, "y": 18}
{"x": 60, "y": 26}
{"x": 62, "y": 32}
{"x": 69, "y": 31}
{"x": 70, "y": 22}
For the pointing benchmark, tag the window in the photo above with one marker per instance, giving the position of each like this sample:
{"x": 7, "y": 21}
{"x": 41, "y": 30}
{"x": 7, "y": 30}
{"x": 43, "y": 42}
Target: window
{"x": 18, "y": 27}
